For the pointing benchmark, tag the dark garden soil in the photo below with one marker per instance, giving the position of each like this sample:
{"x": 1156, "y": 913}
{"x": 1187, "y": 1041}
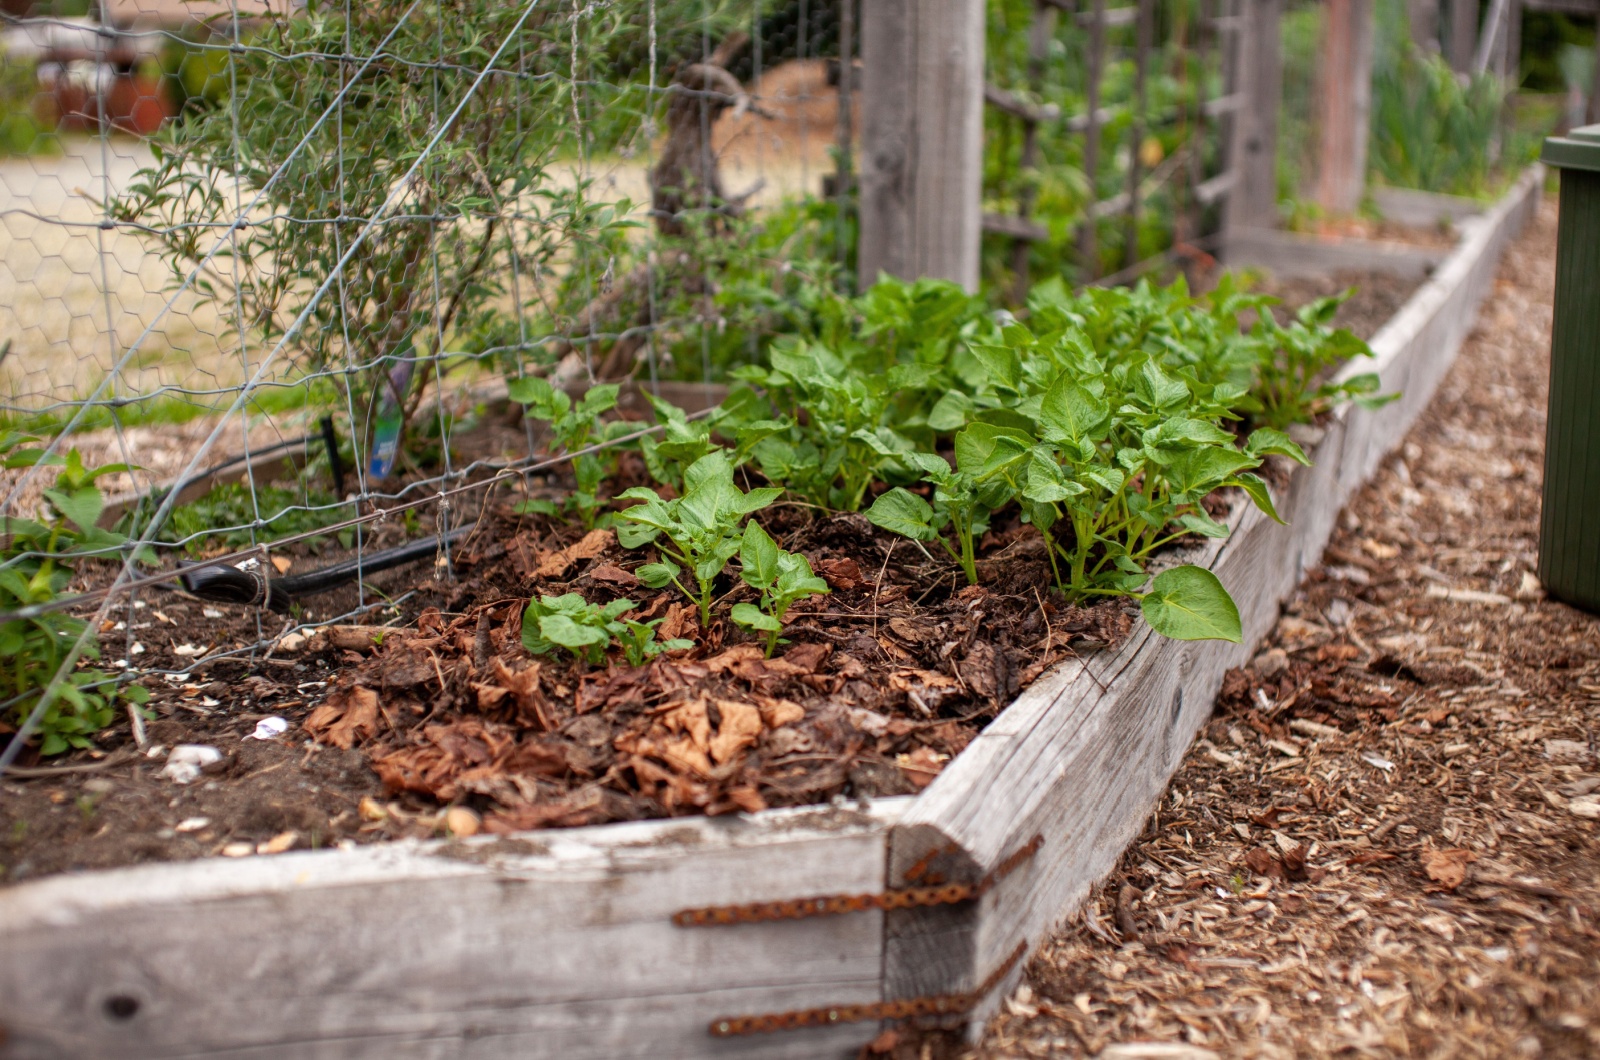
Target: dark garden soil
{"x": 433, "y": 720}
{"x": 1385, "y": 843}
{"x": 1377, "y": 296}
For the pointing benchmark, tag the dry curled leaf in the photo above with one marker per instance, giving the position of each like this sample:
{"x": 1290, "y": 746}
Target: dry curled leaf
{"x": 350, "y": 715}
{"x": 1448, "y": 868}
{"x": 593, "y": 544}
{"x": 1261, "y": 862}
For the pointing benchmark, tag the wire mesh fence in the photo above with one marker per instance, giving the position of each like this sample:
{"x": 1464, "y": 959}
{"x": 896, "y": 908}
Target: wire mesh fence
{"x": 269, "y": 274}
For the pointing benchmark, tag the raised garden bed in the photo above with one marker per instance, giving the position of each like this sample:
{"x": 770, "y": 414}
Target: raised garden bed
{"x": 563, "y": 943}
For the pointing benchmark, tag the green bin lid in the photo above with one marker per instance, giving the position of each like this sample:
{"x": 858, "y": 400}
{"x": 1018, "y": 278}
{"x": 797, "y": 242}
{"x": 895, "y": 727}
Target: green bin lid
{"x": 1579, "y": 149}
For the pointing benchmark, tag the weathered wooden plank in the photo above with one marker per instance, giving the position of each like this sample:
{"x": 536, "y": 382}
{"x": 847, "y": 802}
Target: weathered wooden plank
{"x": 1253, "y": 140}
{"x": 921, "y": 139}
{"x": 1288, "y": 254}
{"x": 1082, "y": 756}
{"x": 555, "y": 944}
{"x": 1423, "y": 208}
{"x": 1462, "y": 33}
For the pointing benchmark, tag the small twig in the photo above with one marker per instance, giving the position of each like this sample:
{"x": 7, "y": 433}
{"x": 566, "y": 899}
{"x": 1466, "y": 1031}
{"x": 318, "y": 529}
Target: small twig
{"x": 45, "y": 772}
{"x": 1043, "y": 614}
{"x": 877, "y": 586}
{"x": 288, "y": 625}
{"x": 1542, "y": 890}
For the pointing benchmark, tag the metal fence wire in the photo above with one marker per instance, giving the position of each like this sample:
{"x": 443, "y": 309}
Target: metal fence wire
{"x": 277, "y": 265}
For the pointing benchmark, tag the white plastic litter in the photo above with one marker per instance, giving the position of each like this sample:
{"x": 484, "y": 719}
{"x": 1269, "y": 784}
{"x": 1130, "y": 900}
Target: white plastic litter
{"x": 270, "y": 728}
{"x": 187, "y": 760}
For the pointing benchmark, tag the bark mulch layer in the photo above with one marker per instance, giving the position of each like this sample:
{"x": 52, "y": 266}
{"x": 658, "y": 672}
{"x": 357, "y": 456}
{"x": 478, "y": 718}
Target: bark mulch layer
{"x": 1385, "y": 842}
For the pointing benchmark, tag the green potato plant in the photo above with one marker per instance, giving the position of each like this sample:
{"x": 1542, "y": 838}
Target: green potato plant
{"x": 573, "y": 428}
{"x": 38, "y": 558}
{"x": 587, "y": 630}
{"x": 783, "y": 578}
{"x": 698, "y": 532}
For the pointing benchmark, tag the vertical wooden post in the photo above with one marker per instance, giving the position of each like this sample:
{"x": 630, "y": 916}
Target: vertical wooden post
{"x": 1594, "y": 92}
{"x": 921, "y": 139}
{"x": 1344, "y": 100}
{"x": 1041, "y": 32}
{"x": 1253, "y": 145}
{"x": 1088, "y": 251}
{"x": 843, "y": 134}
{"x": 1141, "y": 59}
{"x": 1512, "y": 68}
{"x": 1423, "y": 16}
{"x": 1463, "y": 34}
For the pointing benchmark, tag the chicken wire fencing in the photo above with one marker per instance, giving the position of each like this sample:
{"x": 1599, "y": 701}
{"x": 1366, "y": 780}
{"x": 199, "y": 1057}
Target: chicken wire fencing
{"x": 269, "y": 273}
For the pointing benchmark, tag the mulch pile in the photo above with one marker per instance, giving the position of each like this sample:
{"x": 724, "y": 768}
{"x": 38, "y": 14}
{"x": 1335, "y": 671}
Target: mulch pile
{"x": 1385, "y": 843}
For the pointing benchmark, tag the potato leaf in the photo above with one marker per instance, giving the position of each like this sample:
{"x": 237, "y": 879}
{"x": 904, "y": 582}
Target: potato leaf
{"x": 1190, "y": 603}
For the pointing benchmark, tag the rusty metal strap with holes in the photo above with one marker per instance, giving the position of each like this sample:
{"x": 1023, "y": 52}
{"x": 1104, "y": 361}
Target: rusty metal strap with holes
{"x": 907, "y": 1008}
{"x": 839, "y": 904}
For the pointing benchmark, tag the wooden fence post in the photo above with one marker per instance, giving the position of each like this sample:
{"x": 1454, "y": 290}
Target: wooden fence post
{"x": 921, "y": 166}
{"x": 1345, "y": 103}
{"x": 1423, "y": 16}
{"x": 1253, "y": 145}
{"x": 1462, "y": 39}
{"x": 1594, "y": 92}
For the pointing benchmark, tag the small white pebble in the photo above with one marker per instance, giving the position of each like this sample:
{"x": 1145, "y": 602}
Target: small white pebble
{"x": 270, "y": 728}
{"x": 192, "y": 824}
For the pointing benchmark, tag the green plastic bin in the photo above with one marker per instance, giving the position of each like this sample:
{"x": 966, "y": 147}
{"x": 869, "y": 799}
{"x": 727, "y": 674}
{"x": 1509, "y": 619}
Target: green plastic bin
{"x": 1569, "y": 527}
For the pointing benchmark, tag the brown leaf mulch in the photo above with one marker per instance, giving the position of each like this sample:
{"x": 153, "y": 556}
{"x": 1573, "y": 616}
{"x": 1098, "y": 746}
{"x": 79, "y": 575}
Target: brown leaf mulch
{"x": 884, "y": 680}
{"x": 1385, "y": 842}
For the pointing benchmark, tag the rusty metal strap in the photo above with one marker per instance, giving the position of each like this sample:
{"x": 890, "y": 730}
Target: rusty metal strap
{"x": 839, "y": 904}
{"x": 907, "y": 1008}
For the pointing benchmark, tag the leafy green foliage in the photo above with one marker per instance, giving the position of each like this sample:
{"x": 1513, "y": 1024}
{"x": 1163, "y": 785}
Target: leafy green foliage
{"x": 37, "y": 560}
{"x": 316, "y": 140}
{"x": 783, "y": 578}
{"x": 574, "y": 427}
{"x": 698, "y": 532}
{"x": 586, "y": 630}
{"x": 1434, "y": 129}
{"x": 1056, "y": 184}
{"x": 964, "y": 497}
{"x": 876, "y": 377}
{"x": 1296, "y": 385}
{"x": 232, "y": 516}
